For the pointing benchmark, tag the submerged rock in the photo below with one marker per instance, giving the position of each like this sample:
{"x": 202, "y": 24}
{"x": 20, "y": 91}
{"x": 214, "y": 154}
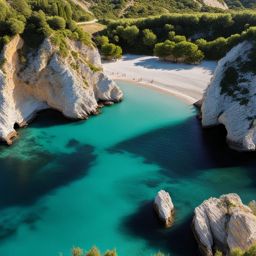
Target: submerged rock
{"x": 224, "y": 223}
{"x": 164, "y": 207}
{"x": 230, "y": 99}
{"x": 42, "y": 79}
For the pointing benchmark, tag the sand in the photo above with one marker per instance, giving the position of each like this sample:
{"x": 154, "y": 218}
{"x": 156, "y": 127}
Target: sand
{"x": 187, "y": 82}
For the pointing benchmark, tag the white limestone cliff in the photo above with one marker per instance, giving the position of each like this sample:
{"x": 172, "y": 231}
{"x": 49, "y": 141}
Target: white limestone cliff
{"x": 216, "y": 4}
{"x": 224, "y": 223}
{"x": 72, "y": 85}
{"x": 230, "y": 98}
{"x": 164, "y": 207}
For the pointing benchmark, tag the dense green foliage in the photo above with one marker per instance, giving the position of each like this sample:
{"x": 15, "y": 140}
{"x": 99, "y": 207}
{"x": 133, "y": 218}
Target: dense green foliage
{"x": 182, "y": 51}
{"x": 238, "y": 252}
{"x": 203, "y": 34}
{"x": 142, "y": 8}
{"x": 36, "y": 19}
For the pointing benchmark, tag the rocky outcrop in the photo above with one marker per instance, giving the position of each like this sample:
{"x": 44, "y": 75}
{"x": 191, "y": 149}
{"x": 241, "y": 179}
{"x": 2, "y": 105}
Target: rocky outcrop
{"x": 40, "y": 79}
{"x": 225, "y": 224}
{"x": 216, "y": 4}
{"x": 230, "y": 99}
{"x": 164, "y": 207}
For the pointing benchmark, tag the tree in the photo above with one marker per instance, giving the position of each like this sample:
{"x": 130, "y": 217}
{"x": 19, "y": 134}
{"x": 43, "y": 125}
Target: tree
{"x": 178, "y": 39}
{"x": 149, "y": 38}
{"x": 188, "y": 52}
{"x": 130, "y": 34}
{"x": 22, "y": 7}
{"x": 101, "y": 40}
{"x": 15, "y": 26}
{"x": 164, "y": 49}
{"x": 57, "y": 23}
{"x": 111, "y": 51}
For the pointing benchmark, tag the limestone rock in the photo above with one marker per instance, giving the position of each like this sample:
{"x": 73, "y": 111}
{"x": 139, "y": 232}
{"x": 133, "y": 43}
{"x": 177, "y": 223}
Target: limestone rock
{"x": 72, "y": 85}
{"x": 164, "y": 207}
{"x": 224, "y": 223}
{"x": 230, "y": 98}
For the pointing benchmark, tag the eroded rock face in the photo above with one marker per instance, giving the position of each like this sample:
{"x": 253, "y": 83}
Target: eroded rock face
{"x": 216, "y": 4}
{"x": 73, "y": 85}
{"x": 230, "y": 99}
{"x": 224, "y": 223}
{"x": 164, "y": 207}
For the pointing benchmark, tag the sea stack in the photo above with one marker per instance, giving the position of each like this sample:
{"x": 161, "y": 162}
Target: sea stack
{"x": 224, "y": 224}
{"x": 164, "y": 207}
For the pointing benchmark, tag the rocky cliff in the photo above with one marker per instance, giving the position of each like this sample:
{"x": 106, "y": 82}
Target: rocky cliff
{"x": 33, "y": 80}
{"x": 216, "y": 4}
{"x": 230, "y": 99}
{"x": 225, "y": 224}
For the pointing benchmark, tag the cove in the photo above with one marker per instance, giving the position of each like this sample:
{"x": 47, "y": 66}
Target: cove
{"x": 86, "y": 183}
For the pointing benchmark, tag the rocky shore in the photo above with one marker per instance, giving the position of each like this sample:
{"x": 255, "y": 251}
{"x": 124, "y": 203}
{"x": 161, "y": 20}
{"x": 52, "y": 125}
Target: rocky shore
{"x": 38, "y": 79}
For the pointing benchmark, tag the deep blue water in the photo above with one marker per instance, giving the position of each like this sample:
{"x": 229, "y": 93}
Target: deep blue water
{"x": 65, "y": 184}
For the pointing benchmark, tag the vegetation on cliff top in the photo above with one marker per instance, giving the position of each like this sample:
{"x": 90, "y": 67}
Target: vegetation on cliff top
{"x": 198, "y": 35}
{"x": 143, "y": 8}
{"x": 35, "y": 20}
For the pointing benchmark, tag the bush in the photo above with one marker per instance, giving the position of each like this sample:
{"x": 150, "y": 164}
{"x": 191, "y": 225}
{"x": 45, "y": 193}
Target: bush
{"x": 15, "y": 26}
{"x": 165, "y": 49}
{"x": 57, "y": 23}
{"x": 110, "y": 253}
{"x": 180, "y": 52}
{"x": 77, "y": 251}
{"x": 101, "y": 40}
{"x": 149, "y": 38}
{"x": 111, "y": 51}
{"x": 93, "y": 252}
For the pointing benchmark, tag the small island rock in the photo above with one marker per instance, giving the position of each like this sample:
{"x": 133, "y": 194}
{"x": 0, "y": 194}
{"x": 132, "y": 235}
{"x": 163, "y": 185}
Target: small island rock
{"x": 164, "y": 207}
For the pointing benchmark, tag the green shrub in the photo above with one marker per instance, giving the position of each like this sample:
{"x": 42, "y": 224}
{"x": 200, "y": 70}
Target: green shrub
{"x": 111, "y": 51}
{"x": 57, "y": 23}
{"x": 15, "y": 26}
{"x": 111, "y": 253}
{"x": 93, "y": 252}
{"x": 76, "y": 251}
{"x": 149, "y": 38}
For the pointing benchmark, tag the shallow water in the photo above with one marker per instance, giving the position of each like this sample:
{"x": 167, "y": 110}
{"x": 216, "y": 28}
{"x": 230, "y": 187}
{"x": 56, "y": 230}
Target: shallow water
{"x": 65, "y": 184}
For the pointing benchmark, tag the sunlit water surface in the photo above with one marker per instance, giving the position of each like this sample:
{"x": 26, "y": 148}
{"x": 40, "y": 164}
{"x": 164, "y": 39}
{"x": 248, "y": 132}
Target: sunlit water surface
{"x": 65, "y": 184}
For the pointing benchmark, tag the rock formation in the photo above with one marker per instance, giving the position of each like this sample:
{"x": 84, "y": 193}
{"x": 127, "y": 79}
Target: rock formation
{"x": 230, "y": 99}
{"x": 216, "y": 4}
{"x": 164, "y": 207}
{"x": 42, "y": 79}
{"x": 225, "y": 224}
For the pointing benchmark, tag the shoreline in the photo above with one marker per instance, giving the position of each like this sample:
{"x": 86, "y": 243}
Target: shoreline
{"x": 182, "y": 96}
{"x": 184, "y": 81}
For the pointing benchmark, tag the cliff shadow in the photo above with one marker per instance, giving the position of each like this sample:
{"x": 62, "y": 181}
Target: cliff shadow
{"x": 145, "y": 224}
{"x": 155, "y": 63}
{"x": 49, "y": 118}
{"x": 185, "y": 149}
{"x": 28, "y": 175}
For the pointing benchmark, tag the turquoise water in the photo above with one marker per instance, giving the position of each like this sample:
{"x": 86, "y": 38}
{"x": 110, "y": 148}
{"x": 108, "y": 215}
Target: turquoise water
{"x": 65, "y": 184}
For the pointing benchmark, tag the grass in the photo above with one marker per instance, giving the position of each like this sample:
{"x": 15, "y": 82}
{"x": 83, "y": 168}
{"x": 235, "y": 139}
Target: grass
{"x": 93, "y": 28}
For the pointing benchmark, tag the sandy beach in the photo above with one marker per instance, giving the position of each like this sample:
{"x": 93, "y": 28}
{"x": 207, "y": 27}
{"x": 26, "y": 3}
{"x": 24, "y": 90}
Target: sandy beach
{"x": 187, "y": 82}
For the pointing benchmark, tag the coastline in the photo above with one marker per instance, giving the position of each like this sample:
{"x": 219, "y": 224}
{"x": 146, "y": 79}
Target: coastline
{"x": 182, "y": 96}
{"x": 184, "y": 81}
